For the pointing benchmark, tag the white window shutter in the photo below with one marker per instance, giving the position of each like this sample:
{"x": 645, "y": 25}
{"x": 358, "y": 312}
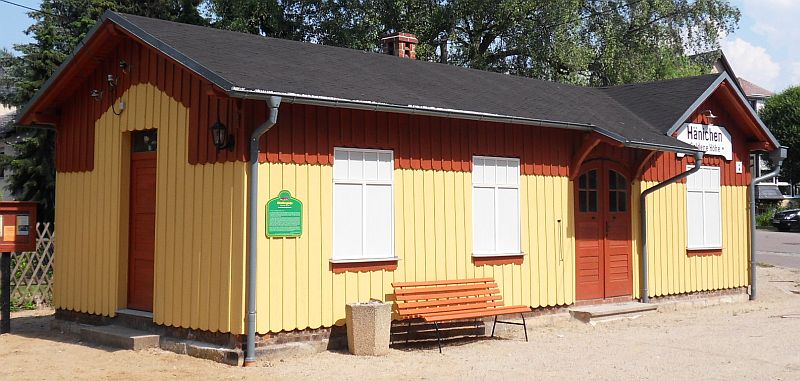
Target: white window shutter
{"x": 378, "y": 238}
{"x": 348, "y": 221}
{"x": 694, "y": 219}
{"x": 508, "y": 220}
{"x": 483, "y": 220}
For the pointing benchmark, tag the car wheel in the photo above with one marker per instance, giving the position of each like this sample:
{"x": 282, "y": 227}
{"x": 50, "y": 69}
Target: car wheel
{"x": 784, "y": 228}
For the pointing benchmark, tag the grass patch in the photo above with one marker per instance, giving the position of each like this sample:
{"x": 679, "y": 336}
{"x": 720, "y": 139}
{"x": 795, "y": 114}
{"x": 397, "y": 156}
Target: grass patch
{"x": 762, "y": 264}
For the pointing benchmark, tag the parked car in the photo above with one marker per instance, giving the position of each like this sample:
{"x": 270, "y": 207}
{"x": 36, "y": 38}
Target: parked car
{"x": 786, "y": 220}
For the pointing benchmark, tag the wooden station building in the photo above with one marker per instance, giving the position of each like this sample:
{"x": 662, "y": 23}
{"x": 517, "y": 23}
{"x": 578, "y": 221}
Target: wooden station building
{"x": 400, "y": 170}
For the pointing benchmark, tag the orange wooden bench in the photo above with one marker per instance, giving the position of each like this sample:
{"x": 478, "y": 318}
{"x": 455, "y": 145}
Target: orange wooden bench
{"x": 460, "y": 299}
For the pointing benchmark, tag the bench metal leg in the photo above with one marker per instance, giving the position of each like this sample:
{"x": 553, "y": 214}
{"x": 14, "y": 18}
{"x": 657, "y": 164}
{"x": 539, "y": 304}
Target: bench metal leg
{"x": 438, "y": 337}
{"x": 524, "y": 327}
{"x": 408, "y": 331}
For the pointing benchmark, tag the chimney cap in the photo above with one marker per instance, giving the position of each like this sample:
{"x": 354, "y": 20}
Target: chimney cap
{"x": 401, "y": 36}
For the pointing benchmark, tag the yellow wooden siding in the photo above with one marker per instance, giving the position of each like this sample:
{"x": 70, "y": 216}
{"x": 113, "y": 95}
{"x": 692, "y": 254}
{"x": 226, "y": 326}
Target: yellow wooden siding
{"x": 433, "y": 225}
{"x": 200, "y": 221}
{"x": 670, "y": 270}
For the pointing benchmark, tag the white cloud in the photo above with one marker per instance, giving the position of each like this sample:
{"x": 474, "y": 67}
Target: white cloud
{"x": 772, "y": 25}
{"x": 751, "y": 62}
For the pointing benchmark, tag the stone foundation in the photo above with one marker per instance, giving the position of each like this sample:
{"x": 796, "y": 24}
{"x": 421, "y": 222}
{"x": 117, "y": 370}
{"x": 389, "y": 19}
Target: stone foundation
{"x": 227, "y": 347}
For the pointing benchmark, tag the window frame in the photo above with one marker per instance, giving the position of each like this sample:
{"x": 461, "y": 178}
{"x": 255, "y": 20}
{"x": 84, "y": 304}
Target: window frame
{"x": 705, "y": 245}
{"x": 496, "y": 187}
{"x": 391, "y": 256}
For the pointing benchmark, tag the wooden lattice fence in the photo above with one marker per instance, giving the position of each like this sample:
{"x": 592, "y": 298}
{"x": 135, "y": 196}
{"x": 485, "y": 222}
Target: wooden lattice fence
{"x": 32, "y": 271}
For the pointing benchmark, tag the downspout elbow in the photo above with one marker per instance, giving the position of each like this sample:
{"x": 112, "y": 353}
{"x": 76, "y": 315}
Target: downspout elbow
{"x": 698, "y": 163}
{"x": 273, "y": 104}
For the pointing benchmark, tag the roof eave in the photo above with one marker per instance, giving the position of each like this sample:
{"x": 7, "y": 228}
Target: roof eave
{"x": 131, "y": 29}
{"x": 315, "y": 100}
{"x": 22, "y": 116}
{"x": 169, "y": 51}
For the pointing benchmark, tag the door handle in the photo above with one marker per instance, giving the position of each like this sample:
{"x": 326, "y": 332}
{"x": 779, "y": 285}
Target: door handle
{"x": 606, "y": 228}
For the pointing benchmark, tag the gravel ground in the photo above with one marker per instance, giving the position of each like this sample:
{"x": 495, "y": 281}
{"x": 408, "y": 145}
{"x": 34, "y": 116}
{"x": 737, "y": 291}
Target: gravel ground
{"x": 748, "y": 341}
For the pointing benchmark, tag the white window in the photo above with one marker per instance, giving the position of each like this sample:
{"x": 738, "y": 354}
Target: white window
{"x": 363, "y": 207}
{"x": 495, "y": 206}
{"x": 703, "y": 209}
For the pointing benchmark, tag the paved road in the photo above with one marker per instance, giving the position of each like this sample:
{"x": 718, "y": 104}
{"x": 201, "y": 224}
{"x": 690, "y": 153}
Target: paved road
{"x": 779, "y": 249}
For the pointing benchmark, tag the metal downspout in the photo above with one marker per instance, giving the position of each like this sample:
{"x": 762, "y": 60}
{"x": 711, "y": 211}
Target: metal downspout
{"x": 698, "y": 162}
{"x": 777, "y": 157}
{"x": 252, "y": 228}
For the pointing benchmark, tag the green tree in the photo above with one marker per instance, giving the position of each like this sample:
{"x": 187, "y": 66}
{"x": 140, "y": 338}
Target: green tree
{"x": 56, "y": 31}
{"x": 589, "y": 42}
{"x": 782, "y": 115}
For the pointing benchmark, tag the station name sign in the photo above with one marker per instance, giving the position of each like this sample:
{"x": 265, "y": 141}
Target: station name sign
{"x": 713, "y": 140}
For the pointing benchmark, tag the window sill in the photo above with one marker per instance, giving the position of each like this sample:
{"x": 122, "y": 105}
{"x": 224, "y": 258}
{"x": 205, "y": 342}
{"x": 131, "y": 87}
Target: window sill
{"x": 498, "y": 259}
{"x": 363, "y": 265}
{"x": 704, "y": 252}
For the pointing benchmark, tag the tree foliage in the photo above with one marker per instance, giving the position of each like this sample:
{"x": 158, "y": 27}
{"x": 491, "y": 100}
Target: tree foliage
{"x": 56, "y": 31}
{"x": 782, "y": 115}
{"x": 589, "y": 42}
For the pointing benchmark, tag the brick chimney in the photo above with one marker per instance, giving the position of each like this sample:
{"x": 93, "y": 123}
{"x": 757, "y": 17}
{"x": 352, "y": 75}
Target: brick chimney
{"x": 400, "y": 44}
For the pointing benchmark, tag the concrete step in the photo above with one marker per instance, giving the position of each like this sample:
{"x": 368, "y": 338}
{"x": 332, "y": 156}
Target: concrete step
{"x": 119, "y": 337}
{"x": 134, "y": 319}
{"x": 614, "y": 311}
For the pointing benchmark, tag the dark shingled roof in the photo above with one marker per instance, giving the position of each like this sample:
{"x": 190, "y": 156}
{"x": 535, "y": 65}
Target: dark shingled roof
{"x": 251, "y": 65}
{"x": 256, "y": 63}
{"x": 661, "y": 103}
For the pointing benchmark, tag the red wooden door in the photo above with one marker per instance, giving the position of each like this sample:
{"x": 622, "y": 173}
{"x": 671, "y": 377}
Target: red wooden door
{"x": 142, "y": 230}
{"x": 602, "y": 232}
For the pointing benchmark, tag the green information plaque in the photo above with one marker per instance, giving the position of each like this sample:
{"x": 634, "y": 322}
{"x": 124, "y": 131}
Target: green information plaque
{"x": 284, "y": 216}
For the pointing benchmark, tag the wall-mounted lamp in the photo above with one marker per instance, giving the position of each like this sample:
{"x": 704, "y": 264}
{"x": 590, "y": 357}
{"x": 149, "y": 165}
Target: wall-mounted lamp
{"x": 709, "y": 114}
{"x": 221, "y": 137}
{"x": 124, "y": 66}
{"x": 96, "y": 94}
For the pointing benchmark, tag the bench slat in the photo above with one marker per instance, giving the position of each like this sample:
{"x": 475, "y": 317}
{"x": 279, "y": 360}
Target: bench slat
{"x": 474, "y": 314}
{"x": 452, "y": 308}
{"x": 445, "y": 302}
{"x": 440, "y": 282}
{"x": 432, "y": 290}
{"x": 458, "y": 294}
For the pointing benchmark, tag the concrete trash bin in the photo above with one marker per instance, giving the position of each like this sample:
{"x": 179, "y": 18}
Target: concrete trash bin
{"x": 368, "y": 327}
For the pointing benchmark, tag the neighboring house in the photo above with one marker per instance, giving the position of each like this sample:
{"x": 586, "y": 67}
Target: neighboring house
{"x": 718, "y": 63}
{"x": 379, "y": 169}
{"x": 756, "y": 94}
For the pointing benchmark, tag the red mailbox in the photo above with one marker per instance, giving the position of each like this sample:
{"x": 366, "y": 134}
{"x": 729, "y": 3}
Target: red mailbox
{"x": 17, "y": 226}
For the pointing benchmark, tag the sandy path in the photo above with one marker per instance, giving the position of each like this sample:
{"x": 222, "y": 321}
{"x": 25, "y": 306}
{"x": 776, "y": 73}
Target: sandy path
{"x": 726, "y": 342}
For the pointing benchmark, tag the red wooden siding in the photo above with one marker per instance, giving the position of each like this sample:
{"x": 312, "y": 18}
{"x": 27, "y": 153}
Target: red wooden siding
{"x": 75, "y": 139}
{"x": 307, "y": 134}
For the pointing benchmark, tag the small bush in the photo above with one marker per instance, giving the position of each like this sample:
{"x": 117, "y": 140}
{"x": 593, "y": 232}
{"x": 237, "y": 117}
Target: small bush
{"x": 764, "y": 220}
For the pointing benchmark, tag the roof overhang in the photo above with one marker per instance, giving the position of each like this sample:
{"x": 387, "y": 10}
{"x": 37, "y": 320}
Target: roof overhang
{"x": 238, "y": 92}
{"x": 736, "y": 89}
{"x": 115, "y": 24}
{"x": 109, "y": 24}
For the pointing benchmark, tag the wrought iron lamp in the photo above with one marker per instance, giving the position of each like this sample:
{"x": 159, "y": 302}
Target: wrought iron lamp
{"x": 221, "y": 137}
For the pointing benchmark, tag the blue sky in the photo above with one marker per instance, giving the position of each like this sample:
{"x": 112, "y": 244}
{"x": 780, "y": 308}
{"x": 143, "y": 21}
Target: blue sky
{"x": 764, "y": 50}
